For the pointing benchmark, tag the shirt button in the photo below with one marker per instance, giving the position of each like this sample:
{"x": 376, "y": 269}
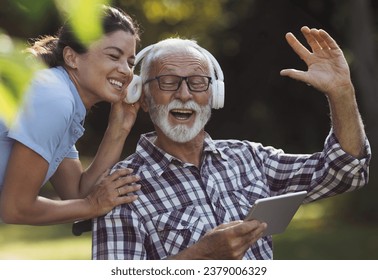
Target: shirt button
{"x": 184, "y": 223}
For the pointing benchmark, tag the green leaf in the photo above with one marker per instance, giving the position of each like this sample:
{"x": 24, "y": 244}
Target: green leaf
{"x": 16, "y": 70}
{"x": 8, "y": 105}
{"x": 84, "y": 17}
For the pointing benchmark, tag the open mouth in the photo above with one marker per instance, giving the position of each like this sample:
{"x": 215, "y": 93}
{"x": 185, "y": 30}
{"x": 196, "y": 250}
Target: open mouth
{"x": 182, "y": 114}
{"x": 117, "y": 84}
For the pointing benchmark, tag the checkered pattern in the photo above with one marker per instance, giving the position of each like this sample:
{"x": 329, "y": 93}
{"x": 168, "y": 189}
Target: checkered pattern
{"x": 178, "y": 203}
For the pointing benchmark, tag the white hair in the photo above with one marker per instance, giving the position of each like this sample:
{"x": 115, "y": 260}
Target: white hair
{"x": 169, "y": 46}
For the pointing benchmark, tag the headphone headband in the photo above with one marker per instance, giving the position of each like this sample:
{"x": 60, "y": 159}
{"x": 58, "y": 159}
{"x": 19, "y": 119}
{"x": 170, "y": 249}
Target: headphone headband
{"x": 135, "y": 87}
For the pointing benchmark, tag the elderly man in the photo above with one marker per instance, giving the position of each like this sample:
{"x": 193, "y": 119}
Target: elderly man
{"x": 196, "y": 191}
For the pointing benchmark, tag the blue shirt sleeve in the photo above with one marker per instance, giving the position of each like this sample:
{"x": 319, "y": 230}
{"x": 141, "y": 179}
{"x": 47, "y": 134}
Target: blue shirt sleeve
{"x": 73, "y": 153}
{"x": 45, "y": 116}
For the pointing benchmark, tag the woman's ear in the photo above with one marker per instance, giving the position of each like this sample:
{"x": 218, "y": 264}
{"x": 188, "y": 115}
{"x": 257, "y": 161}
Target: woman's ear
{"x": 70, "y": 57}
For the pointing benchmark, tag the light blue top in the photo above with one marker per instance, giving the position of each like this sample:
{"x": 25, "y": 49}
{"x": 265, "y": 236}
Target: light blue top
{"x": 49, "y": 123}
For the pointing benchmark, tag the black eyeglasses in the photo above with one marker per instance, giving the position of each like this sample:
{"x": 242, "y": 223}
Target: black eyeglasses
{"x": 195, "y": 83}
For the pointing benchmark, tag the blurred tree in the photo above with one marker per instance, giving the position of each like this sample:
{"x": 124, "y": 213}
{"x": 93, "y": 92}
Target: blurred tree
{"x": 361, "y": 35}
{"x": 84, "y": 16}
{"x": 16, "y": 66}
{"x": 28, "y": 19}
{"x": 16, "y": 70}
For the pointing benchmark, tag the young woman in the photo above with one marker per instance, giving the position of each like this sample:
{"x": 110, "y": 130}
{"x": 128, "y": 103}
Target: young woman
{"x": 40, "y": 146}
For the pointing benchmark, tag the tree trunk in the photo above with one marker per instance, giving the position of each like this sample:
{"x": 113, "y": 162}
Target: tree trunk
{"x": 365, "y": 75}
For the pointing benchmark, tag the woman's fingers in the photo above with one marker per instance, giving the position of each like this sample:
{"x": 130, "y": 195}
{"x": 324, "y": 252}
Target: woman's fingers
{"x": 126, "y": 199}
{"x": 126, "y": 180}
{"x": 120, "y": 173}
{"x": 125, "y": 190}
{"x": 114, "y": 189}
{"x": 123, "y": 183}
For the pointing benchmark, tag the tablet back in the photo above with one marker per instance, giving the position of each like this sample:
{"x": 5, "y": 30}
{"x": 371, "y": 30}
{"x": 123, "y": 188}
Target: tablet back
{"x": 276, "y": 211}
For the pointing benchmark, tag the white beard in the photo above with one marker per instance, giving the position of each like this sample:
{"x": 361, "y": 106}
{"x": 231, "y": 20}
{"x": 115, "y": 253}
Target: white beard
{"x": 179, "y": 133}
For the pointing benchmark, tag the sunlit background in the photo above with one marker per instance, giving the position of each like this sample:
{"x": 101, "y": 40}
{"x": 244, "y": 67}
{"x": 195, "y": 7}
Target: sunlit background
{"x": 247, "y": 38}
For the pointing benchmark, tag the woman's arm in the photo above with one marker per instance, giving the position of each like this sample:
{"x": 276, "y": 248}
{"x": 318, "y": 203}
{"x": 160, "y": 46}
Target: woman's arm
{"x": 20, "y": 202}
{"x": 71, "y": 181}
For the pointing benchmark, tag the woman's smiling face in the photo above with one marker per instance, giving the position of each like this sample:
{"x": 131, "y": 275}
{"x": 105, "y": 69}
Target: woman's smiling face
{"x": 106, "y": 69}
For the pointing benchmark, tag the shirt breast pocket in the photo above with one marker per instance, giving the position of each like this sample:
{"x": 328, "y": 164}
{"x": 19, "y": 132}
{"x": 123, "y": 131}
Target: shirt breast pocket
{"x": 179, "y": 229}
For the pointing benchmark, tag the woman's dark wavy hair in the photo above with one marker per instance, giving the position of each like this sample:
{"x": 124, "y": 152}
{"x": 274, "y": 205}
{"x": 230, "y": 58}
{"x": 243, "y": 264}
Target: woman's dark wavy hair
{"x": 50, "y": 48}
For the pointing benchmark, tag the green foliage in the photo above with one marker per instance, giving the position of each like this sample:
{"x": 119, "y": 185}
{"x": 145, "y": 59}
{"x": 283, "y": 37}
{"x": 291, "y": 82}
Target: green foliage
{"x": 32, "y": 10}
{"x": 194, "y": 19}
{"x": 84, "y": 17}
{"x": 175, "y": 11}
{"x": 16, "y": 70}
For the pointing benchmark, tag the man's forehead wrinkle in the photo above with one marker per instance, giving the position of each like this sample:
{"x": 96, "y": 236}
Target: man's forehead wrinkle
{"x": 173, "y": 61}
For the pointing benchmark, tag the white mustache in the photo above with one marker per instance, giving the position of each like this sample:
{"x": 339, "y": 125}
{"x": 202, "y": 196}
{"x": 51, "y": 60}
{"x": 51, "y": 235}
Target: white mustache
{"x": 190, "y": 105}
{"x": 179, "y": 133}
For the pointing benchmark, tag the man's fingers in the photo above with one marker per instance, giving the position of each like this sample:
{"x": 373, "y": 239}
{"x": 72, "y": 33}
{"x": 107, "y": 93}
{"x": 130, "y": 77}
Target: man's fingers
{"x": 228, "y": 225}
{"x": 242, "y": 228}
{"x": 296, "y": 75}
{"x": 254, "y": 225}
{"x": 319, "y": 39}
{"x": 330, "y": 41}
{"x": 298, "y": 48}
{"x": 313, "y": 39}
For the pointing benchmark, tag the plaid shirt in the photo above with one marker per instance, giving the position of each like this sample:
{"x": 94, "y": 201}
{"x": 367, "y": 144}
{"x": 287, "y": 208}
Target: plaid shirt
{"x": 178, "y": 202}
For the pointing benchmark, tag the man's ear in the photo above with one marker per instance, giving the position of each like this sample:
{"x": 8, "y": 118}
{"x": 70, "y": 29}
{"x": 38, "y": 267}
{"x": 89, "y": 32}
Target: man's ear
{"x": 143, "y": 102}
{"x": 70, "y": 57}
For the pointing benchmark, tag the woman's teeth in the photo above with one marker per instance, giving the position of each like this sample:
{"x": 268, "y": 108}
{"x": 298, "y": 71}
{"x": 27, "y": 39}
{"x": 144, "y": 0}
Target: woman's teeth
{"x": 116, "y": 83}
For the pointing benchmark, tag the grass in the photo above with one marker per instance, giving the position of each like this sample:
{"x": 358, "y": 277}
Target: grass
{"x": 312, "y": 235}
{"x": 43, "y": 243}
{"x": 327, "y": 239}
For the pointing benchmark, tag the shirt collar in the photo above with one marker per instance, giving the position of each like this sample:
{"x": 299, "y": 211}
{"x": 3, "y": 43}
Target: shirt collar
{"x": 159, "y": 160}
{"x": 211, "y": 147}
{"x": 80, "y": 108}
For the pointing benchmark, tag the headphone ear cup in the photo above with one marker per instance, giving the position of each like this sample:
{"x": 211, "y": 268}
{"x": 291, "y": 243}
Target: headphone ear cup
{"x": 134, "y": 90}
{"x": 218, "y": 94}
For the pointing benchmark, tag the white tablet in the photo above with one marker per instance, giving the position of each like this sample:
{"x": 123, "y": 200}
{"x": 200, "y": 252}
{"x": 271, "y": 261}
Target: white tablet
{"x": 276, "y": 211}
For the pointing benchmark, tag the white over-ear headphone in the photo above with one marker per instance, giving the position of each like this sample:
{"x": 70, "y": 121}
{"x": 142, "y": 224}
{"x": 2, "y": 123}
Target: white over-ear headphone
{"x": 134, "y": 90}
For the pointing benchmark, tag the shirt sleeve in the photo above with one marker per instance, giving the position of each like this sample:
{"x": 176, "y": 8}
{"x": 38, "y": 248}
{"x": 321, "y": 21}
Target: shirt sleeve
{"x": 45, "y": 116}
{"x": 73, "y": 153}
{"x": 322, "y": 174}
